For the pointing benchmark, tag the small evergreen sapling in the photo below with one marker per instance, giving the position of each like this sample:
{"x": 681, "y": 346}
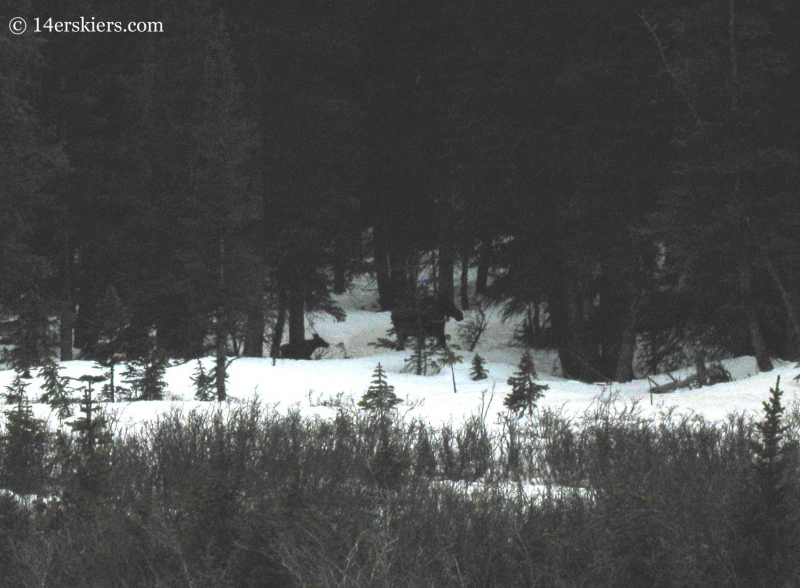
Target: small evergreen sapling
{"x": 56, "y": 393}
{"x": 94, "y": 437}
{"x": 145, "y": 376}
{"x": 31, "y": 336}
{"x": 206, "y": 383}
{"x": 772, "y": 465}
{"x": 478, "y": 370}
{"x": 525, "y": 392}
{"x": 23, "y": 447}
{"x": 380, "y": 395}
{"x": 111, "y": 322}
{"x": 449, "y": 358}
{"x": 422, "y": 358}
{"x": 16, "y": 389}
{"x": 424, "y": 456}
{"x": 769, "y": 520}
{"x": 203, "y": 382}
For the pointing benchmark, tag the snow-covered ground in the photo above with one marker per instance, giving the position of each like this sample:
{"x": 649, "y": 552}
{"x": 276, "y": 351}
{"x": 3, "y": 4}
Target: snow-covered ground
{"x": 349, "y": 363}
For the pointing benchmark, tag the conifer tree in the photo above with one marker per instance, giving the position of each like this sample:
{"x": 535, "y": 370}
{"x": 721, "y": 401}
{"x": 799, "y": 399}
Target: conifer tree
{"x": 94, "y": 437}
{"x": 145, "y": 375}
{"x": 203, "y": 382}
{"x": 421, "y": 358}
{"x": 449, "y": 358}
{"x": 16, "y": 389}
{"x": 24, "y": 446}
{"x": 478, "y": 370}
{"x": 31, "y": 337}
{"x": 56, "y": 393}
{"x": 424, "y": 456}
{"x": 29, "y": 162}
{"x": 111, "y": 319}
{"x": 765, "y": 520}
{"x": 380, "y": 395}
{"x": 388, "y": 466}
{"x": 773, "y": 469}
{"x": 525, "y": 392}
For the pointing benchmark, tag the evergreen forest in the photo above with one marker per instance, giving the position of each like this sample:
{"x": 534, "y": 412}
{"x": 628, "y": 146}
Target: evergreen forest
{"x": 625, "y": 174}
{"x": 622, "y": 178}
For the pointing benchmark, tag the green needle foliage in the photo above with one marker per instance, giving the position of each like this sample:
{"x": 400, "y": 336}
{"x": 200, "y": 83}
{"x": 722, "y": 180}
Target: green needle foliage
{"x": 422, "y": 357}
{"x": 766, "y": 515}
{"x": 23, "y": 447}
{"x": 203, "y": 382}
{"x": 94, "y": 437}
{"x": 16, "y": 389}
{"x": 145, "y": 375}
{"x": 56, "y": 393}
{"x": 449, "y": 358}
{"x": 380, "y": 395}
{"x": 525, "y": 392}
{"x": 478, "y": 369}
{"x": 31, "y": 336}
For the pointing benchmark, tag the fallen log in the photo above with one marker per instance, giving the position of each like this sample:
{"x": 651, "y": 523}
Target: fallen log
{"x": 673, "y": 385}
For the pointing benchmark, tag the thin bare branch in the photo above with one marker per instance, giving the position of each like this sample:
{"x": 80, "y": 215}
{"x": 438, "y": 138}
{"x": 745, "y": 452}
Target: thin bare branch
{"x": 679, "y": 88}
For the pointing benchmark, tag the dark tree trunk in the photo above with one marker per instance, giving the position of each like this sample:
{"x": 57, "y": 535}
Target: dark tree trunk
{"x": 65, "y": 326}
{"x": 577, "y": 349}
{"x": 464, "y": 285}
{"x": 786, "y": 299}
{"x": 339, "y": 266}
{"x": 627, "y": 348}
{"x": 447, "y": 252}
{"x": 482, "y": 279}
{"x": 254, "y": 330}
{"x": 702, "y": 371}
{"x": 221, "y": 334}
{"x": 280, "y": 322}
{"x": 751, "y": 317}
{"x": 403, "y": 269}
{"x": 297, "y": 324}
{"x": 446, "y": 267}
{"x": 386, "y": 292}
{"x": 220, "y": 366}
{"x": 84, "y": 331}
{"x": 66, "y": 321}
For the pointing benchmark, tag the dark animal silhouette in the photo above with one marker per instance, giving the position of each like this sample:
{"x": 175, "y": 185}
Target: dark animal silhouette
{"x": 303, "y": 350}
{"x": 426, "y": 318}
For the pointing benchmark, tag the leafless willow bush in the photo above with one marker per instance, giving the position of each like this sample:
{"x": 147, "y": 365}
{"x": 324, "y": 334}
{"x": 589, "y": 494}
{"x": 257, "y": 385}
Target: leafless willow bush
{"x": 249, "y": 497}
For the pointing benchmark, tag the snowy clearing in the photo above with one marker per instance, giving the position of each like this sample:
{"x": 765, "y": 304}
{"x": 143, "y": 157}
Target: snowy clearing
{"x": 346, "y": 371}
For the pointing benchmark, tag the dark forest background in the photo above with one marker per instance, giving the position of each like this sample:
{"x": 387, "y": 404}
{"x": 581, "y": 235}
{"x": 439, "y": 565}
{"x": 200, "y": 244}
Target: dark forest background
{"x": 619, "y": 171}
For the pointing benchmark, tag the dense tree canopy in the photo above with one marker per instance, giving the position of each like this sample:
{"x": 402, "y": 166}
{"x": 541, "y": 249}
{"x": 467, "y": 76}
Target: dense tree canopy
{"x": 626, "y": 174}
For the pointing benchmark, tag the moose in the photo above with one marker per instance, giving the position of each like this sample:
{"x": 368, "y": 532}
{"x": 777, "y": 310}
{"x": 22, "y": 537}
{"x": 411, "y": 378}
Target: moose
{"x": 426, "y": 318}
{"x": 303, "y": 350}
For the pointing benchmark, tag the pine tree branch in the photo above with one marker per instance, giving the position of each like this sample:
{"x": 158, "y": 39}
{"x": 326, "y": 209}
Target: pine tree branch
{"x": 679, "y": 88}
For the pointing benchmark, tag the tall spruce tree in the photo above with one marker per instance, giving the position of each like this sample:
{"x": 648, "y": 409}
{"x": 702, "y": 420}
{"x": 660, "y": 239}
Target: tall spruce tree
{"x": 191, "y": 185}
{"x": 30, "y": 160}
{"x": 23, "y": 445}
{"x": 765, "y": 520}
{"x": 574, "y": 217}
{"x": 525, "y": 391}
{"x": 735, "y": 162}
{"x": 92, "y": 465}
{"x": 31, "y": 338}
{"x": 55, "y": 391}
